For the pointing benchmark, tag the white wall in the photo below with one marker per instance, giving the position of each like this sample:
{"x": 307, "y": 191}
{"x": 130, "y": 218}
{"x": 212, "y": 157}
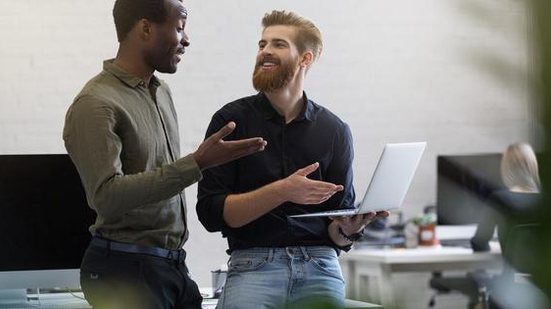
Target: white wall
{"x": 451, "y": 72}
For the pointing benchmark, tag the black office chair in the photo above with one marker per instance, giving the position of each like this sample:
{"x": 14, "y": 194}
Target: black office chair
{"x": 503, "y": 290}
{"x": 474, "y": 285}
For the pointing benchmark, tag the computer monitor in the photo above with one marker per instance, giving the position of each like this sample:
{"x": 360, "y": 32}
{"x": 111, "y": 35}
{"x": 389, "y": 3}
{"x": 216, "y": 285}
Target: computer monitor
{"x": 464, "y": 184}
{"x": 44, "y": 220}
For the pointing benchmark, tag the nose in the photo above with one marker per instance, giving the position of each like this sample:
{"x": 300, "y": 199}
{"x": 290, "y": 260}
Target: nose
{"x": 263, "y": 53}
{"x": 185, "y": 40}
{"x": 267, "y": 50}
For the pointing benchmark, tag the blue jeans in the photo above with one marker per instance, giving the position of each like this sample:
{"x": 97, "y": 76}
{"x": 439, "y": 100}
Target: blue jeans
{"x": 275, "y": 277}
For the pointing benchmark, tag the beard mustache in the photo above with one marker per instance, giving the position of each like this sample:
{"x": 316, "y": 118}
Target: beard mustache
{"x": 277, "y": 79}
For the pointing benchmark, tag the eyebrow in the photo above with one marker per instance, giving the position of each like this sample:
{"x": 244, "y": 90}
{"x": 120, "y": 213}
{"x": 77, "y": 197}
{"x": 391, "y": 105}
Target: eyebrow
{"x": 274, "y": 41}
{"x": 183, "y": 12}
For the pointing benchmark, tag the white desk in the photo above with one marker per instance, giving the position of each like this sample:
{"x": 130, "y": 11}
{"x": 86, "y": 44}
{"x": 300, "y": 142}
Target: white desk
{"x": 361, "y": 264}
{"x": 50, "y": 301}
{"x": 69, "y": 301}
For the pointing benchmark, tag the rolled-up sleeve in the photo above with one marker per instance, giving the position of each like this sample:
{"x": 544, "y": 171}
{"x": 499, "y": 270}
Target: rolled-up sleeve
{"x": 216, "y": 185}
{"x": 340, "y": 169}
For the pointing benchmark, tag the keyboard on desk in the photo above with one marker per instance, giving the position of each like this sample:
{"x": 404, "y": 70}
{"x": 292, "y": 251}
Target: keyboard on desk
{"x": 461, "y": 242}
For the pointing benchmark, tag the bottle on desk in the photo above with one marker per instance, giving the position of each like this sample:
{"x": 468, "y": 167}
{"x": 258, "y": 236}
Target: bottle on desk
{"x": 427, "y": 235}
{"x": 426, "y": 229}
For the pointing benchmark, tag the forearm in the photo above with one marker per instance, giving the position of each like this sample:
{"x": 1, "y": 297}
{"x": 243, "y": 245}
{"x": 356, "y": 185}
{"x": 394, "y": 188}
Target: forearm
{"x": 113, "y": 195}
{"x": 241, "y": 209}
{"x": 123, "y": 193}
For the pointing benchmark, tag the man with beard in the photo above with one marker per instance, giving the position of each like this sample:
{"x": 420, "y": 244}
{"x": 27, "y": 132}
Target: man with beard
{"x": 122, "y": 134}
{"x": 277, "y": 260}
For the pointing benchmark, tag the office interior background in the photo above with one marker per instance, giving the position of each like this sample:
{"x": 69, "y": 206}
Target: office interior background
{"x": 454, "y": 73}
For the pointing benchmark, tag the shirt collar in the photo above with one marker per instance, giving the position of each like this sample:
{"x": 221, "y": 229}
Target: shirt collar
{"x": 308, "y": 111}
{"x": 126, "y": 77}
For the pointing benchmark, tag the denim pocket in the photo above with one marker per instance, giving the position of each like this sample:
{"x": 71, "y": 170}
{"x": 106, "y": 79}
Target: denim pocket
{"x": 328, "y": 265}
{"x": 243, "y": 264}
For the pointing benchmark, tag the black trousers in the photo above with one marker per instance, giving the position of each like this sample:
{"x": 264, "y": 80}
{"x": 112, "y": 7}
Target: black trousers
{"x": 113, "y": 279}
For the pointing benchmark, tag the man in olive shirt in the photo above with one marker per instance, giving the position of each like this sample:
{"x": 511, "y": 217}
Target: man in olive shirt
{"x": 122, "y": 134}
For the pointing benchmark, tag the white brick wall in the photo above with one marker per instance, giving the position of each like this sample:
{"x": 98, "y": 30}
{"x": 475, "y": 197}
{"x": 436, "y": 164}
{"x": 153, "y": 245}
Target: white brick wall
{"x": 395, "y": 70}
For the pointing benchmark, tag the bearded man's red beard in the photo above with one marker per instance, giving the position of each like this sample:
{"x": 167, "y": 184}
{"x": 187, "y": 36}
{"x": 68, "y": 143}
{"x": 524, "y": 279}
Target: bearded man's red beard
{"x": 272, "y": 80}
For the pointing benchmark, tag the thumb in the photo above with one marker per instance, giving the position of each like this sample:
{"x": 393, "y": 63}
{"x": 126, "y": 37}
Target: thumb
{"x": 308, "y": 169}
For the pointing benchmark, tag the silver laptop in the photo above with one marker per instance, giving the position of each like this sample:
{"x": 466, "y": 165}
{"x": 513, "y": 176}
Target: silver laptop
{"x": 389, "y": 183}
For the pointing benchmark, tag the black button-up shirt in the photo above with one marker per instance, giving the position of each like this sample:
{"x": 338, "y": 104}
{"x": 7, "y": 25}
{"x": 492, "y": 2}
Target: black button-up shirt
{"x": 316, "y": 135}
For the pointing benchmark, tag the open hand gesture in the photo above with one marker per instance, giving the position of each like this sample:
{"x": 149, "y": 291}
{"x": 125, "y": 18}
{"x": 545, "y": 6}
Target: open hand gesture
{"x": 301, "y": 190}
{"x": 215, "y": 151}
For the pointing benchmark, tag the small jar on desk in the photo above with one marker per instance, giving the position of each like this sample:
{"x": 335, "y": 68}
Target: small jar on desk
{"x": 426, "y": 233}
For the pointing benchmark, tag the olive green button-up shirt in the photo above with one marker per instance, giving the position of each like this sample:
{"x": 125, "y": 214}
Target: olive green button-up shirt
{"x": 123, "y": 138}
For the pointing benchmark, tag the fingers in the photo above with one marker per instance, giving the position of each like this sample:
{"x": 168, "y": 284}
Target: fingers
{"x": 215, "y": 151}
{"x": 220, "y": 134}
{"x": 242, "y": 148}
{"x": 361, "y": 219}
{"x": 318, "y": 198}
{"x": 368, "y": 216}
{"x": 322, "y": 186}
{"x": 313, "y": 191}
{"x": 308, "y": 169}
{"x": 322, "y": 191}
{"x": 248, "y": 143}
{"x": 316, "y": 191}
{"x": 356, "y": 223}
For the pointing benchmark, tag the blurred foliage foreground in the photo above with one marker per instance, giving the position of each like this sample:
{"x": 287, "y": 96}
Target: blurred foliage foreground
{"x": 540, "y": 246}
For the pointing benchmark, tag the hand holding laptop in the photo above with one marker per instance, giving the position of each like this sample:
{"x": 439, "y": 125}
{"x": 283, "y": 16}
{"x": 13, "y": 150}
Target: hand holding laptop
{"x": 356, "y": 223}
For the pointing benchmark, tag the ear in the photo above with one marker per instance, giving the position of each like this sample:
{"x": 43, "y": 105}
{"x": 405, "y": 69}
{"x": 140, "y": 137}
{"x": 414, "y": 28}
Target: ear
{"x": 307, "y": 59}
{"x": 144, "y": 28}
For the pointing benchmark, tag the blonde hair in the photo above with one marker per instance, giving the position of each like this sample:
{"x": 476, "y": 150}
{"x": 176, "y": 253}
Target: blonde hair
{"x": 308, "y": 35}
{"x": 519, "y": 167}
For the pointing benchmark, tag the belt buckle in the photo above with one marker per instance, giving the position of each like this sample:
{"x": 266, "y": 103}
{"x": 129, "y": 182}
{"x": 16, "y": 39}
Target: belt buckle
{"x": 181, "y": 256}
{"x": 176, "y": 255}
{"x": 171, "y": 255}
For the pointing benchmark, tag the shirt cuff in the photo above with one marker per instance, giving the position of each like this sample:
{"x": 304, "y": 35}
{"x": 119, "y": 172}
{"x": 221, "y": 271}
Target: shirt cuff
{"x": 189, "y": 170}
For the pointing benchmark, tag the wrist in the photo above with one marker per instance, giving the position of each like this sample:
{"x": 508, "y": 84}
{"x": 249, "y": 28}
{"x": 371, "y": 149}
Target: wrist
{"x": 197, "y": 159}
{"x": 281, "y": 189}
{"x": 351, "y": 238}
{"x": 278, "y": 191}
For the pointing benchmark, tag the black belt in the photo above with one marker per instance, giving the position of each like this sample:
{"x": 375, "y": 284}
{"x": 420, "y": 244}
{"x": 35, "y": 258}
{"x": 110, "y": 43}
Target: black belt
{"x": 177, "y": 255}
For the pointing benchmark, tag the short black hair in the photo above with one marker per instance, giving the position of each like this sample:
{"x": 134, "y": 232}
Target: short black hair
{"x": 128, "y": 12}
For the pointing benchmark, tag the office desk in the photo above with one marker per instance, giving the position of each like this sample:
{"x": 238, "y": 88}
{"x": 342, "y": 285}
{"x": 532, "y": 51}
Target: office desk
{"x": 70, "y": 301}
{"x": 50, "y": 301}
{"x": 362, "y": 264}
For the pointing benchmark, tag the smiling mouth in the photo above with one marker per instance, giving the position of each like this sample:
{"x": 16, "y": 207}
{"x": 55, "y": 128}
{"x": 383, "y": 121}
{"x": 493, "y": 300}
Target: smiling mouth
{"x": 268, "y": 64}
{"x": 178, "y": 54}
